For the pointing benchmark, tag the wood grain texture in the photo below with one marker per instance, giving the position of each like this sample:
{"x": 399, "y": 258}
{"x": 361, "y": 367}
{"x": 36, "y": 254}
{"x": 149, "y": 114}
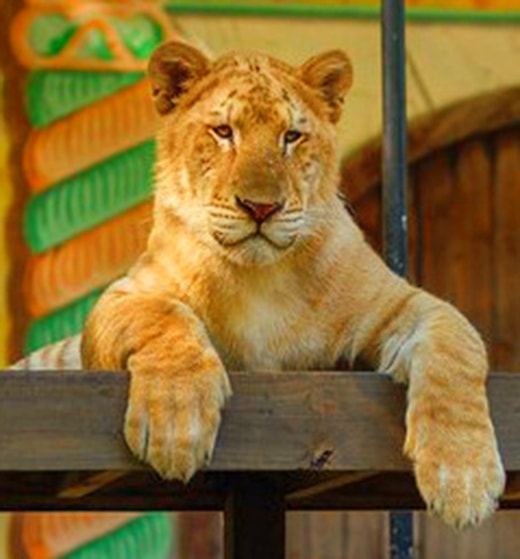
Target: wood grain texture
{"x": 435, "y": 185}
{"x": 275, "y": 422}
{"x": 470, "y": 268}
{"x": 506, "y": 250}
{"x": 498, "y": 537}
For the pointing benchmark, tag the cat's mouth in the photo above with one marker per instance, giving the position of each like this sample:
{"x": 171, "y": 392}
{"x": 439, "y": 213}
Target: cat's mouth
{"x": 256, "y": 238}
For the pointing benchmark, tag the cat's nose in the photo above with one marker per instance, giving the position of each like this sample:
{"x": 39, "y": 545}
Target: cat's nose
{"x": 258, "y": 211}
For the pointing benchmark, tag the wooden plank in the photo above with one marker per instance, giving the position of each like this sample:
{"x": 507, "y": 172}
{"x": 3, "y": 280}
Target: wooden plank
{"x": 208, "y": 492}
{"x": 199, "y": 535}
{"x": 470, "y": 245}
{"x": 275, "y": 422}
{"x": 298, "y": 535}
{"x": 66, "y": 421}
{"x": 497, "y": 537}
{"x": 454, "y": 201}
{"x": 364, "y": 535}
{"x": 454, "y": 195}
{"x": 506, "y": 247}
{"x": 355, "y": 535}
{"x": 336, "y": 482}
{"x": 367, "y": 214}
{"x": 325, "y": 529}
{"x": 434, "y": 182}
{"x": 78, "y": 485}
{"x": 391, "y": 490}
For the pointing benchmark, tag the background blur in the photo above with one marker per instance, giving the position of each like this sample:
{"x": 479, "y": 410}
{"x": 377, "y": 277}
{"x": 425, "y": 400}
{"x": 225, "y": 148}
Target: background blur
{"x": 76, "y": 158}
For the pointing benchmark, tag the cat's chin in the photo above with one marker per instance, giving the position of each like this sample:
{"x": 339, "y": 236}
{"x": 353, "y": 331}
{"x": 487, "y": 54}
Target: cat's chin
{"x": 257, "y": 250}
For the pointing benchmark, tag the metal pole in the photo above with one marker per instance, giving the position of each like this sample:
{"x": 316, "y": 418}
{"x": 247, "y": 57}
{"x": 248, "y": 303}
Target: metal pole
{"x": 395, "y": 231}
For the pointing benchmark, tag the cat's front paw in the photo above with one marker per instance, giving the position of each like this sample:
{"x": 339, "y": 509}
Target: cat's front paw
{"x": 172, "y": 418}
{"x": 459, "y": 474}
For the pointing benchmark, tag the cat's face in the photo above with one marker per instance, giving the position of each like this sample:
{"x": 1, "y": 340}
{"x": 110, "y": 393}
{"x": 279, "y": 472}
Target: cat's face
{"x": 247, "y": 157}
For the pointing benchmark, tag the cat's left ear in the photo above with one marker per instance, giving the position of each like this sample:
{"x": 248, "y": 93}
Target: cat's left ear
{"x": 332, "y": 74}
{"x": 173, "y": 69}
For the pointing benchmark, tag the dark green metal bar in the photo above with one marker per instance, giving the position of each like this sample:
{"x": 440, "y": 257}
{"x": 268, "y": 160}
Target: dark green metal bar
{"x": 316, "y": 10}
{"x": 395, "y": 232}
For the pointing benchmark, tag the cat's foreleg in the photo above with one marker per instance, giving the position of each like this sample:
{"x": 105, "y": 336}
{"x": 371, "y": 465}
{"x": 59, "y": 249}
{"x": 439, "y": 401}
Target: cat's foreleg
{"x": 429, "y": 345}
{"x": 178, "y": 384}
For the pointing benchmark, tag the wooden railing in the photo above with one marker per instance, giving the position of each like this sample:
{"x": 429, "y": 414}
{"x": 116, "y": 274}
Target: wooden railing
{"x": 288, "y": 441}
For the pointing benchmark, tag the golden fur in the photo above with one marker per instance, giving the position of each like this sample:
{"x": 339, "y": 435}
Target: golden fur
{"x": 253, "y": 263}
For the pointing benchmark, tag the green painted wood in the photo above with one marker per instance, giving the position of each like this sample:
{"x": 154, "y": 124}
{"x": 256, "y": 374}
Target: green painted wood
{"x": 51, "y": 95}
{"x": 66, "y": 321}
{"x": 51, "y": 32}
{"x": 150, "y": 536}
{"x": 89, "y": 198}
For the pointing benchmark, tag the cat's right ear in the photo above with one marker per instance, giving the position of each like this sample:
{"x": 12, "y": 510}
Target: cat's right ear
{"x": 172, "y": 69}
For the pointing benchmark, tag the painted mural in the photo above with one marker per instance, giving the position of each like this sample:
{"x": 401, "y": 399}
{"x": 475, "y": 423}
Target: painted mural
{"x": 87, "y": 535}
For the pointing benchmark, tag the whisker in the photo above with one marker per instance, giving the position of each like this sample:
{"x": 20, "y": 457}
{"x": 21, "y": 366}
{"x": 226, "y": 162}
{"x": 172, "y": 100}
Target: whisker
{"x": 218, "y": 215}
{"x": 225, "y": 227}
{"x": 221, "y": 206}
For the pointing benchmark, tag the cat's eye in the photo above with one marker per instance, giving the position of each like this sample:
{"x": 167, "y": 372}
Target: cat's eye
{"x": 292, "y": 136}
{"x": 223, "y": 131}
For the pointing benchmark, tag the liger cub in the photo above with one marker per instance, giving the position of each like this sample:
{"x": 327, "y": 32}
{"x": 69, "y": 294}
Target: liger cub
{"x": 254, "y": 263}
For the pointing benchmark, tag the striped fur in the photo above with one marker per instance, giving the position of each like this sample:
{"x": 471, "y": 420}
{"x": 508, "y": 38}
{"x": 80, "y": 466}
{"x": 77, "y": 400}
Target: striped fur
{"x": 64, "y": 355}
{"x": 218, "y": 290}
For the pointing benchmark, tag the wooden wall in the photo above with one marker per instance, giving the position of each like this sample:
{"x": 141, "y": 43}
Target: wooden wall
{"x": 363, "y": 535}
{"x": 464, "y": 231}
{"x": 465, "y": 234}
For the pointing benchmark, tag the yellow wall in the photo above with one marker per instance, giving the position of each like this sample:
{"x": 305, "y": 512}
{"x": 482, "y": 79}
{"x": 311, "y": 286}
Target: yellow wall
{"x": 5, "y": 521}
{"x": 5, "y": 199}
{"x": 469, "y": 4}
{"x": 451, "y": 4}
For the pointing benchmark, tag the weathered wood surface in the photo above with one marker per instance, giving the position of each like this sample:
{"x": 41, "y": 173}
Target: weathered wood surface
{"x": 506, "y": 249}
{"x": 72, "y": 421}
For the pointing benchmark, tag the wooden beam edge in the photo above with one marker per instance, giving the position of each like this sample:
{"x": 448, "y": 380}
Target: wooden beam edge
{"x": 276, "y": 421}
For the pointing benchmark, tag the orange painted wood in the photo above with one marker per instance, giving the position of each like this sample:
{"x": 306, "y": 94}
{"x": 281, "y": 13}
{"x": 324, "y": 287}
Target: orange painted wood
{"x": 90, "y": 135}
{"x": 47, "y": 536}
{"x": 87, "y": 262}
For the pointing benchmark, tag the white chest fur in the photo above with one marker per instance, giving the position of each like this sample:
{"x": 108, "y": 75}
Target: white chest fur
{"x": 270, "y": 325}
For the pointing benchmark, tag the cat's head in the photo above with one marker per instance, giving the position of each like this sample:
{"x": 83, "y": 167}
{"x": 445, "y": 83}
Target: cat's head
{"x": 247, "y": 151}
